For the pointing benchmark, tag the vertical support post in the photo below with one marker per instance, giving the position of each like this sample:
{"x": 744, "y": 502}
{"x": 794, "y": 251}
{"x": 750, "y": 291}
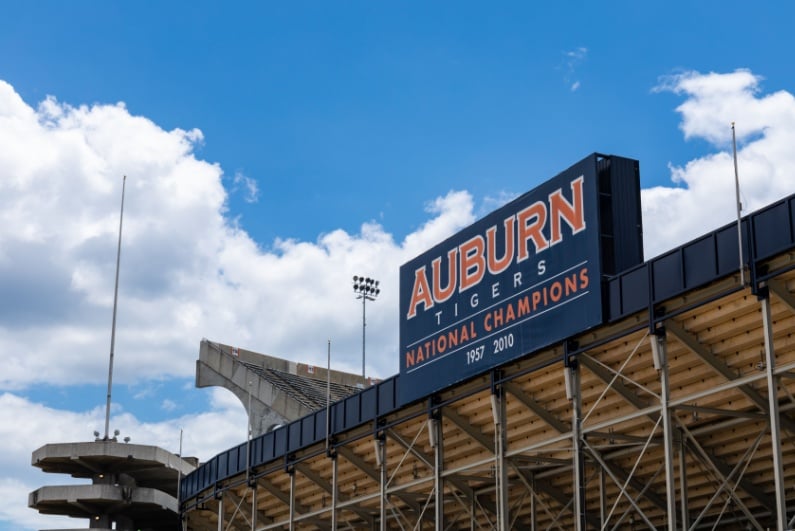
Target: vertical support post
{"x": 573, "y": 392}
{"x": 254, "y": 511}
{"x": 683, "y": 482}
{"x": 500, "y": 471}
{"x": 602, "y": 496}
{"x": 775, "y": 420}
{"x": 660, "y": 354}
{"x": 382, "y": 462}
{"x": 334, "y": 491}
{"x": 533, "y": 504}
{"x": 292, "y": 500}
{"x": 435, "y": 432}
{"x": 221, "y": 513}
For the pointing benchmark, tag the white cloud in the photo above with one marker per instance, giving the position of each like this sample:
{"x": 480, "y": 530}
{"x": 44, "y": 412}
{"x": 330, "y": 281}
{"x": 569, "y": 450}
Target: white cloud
{"x": 248, "y": 185}
{"x": 188, "y": 272}
{"x": 705, "y": 197}
{"x": 572, "y": 59}
{"x": 45, "y": 425}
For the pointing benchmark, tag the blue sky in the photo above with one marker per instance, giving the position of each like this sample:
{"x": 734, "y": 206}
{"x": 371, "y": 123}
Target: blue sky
{"x": 274, "y": 150}
{"x": 399, "y": 102}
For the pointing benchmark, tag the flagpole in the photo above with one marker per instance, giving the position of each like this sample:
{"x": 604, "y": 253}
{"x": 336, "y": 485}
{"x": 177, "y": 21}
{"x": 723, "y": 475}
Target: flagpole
{"x": 739, "y": 208}
{"x": 328, "y": 394}
{"x": 115, "y": 301}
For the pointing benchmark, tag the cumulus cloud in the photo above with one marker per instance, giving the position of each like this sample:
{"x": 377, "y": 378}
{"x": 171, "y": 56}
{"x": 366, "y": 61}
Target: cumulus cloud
{"x": 189, "y": 272}
{"x": 45, "y": 425}
{"x": 704, "y": 195}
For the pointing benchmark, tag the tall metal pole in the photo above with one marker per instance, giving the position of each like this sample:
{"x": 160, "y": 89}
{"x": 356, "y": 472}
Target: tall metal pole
{"x": 739, "y": 208}
{"x": 115, "y": 301}
{"x": 367, "y": 289}
{"x": 328, "y": 395}
{"x": 248, "y": 438}
{"x": 364, "y": 325}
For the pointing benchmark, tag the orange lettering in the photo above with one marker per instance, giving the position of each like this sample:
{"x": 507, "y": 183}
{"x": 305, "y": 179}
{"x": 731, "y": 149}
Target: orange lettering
{"x": 420, "y": 293}
{"x": 473, "y": 265}
{"x": 442, "y": 294}
{"x": 572, "y": 213}
{"x": 497, "y": 266}
{"x": 531, "y": 222}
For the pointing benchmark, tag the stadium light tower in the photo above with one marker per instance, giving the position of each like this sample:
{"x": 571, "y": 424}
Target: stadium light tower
{"x": 366, "y": 289}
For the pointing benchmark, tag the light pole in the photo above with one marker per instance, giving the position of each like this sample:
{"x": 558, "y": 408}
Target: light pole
{"x": 366, "y": 289}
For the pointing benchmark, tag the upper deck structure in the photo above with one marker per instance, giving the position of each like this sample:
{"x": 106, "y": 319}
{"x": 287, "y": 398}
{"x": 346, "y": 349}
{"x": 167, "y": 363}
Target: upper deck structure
{"x": 676, "y": 411}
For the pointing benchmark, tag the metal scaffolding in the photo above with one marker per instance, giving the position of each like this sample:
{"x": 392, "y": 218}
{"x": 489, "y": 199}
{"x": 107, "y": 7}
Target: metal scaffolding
{"x": 674, "y": 418}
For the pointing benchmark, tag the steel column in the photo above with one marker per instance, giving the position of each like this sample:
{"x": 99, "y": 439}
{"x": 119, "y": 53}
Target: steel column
{"x": 221, "y": 513}
{"x": 775, "y": 419}
{"x": 334, "y": 490}
{"x": 382, "y": 465}
{"x": 500, "y": 470}
{"x": 435, "y": 427}
{"x": 573, "y": 390}
{"x": 254, "y": 508}
{"x": 661, "y": 360}
{"x": 683, "y": 482}
{"x": 292, "y": 500}
{"x": 602, "y": 496}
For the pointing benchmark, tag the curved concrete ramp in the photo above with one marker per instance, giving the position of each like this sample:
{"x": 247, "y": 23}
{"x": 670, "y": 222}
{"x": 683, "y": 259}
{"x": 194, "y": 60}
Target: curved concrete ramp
{"x": 280, "y": 390}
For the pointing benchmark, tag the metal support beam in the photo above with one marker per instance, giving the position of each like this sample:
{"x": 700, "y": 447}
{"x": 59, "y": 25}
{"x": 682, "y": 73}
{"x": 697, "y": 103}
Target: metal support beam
{"x": 221, "y": 513}
{"x": 685, "y": 511}
{"x": 368, "y": 469}
{"x": 436, "y": 437}
{"x": 254, "y": 511}
{"x": 775, "y": 418}
{"x": 660, "y": 350}
{"x": 578, "y": 464}
{"x": 619, "y": 386}
{"x": 536, "y": 408}
{"x": 692, "y": 343}
{"x": 381, "y": 449}
{"x": 334, "y": 491}
{"x": 292, "y": 499}
{"x": 500, "y": 470}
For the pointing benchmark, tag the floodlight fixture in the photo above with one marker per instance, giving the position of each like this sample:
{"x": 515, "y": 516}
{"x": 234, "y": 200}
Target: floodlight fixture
{"x": 367, "y": 289}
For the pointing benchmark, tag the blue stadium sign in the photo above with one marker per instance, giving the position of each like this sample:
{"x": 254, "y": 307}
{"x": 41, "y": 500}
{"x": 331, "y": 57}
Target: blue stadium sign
{"x": 520, "y": 279}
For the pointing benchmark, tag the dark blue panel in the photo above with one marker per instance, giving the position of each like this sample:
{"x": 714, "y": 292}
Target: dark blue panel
{"x": 280, "y": 441}
{"x": 614, "y": 298}
{"x": 241, "y": 456}
{"x": 386, "y": 395}
{"x": 352, "y": 411}
{"x": 308, "y": 429}
{"x": 700, "y": 262}
{"x": 233, "y": 458}
{"x": 634, "y": 290}
{"x": 256, "y": 451}
{"x": 369, "y": 403}
{"x": 268, "y": 447}
{"x": 772, "y": 230}
{"x": 223, "y": 465}
{"x": 667, "y": 275}
{"x": 338, "y": 416}
{"x": 728, "y": 254}
{"x": 294, "y": 441}
{"x": 320, "y": 424}
{"x": 520, "y": 279}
